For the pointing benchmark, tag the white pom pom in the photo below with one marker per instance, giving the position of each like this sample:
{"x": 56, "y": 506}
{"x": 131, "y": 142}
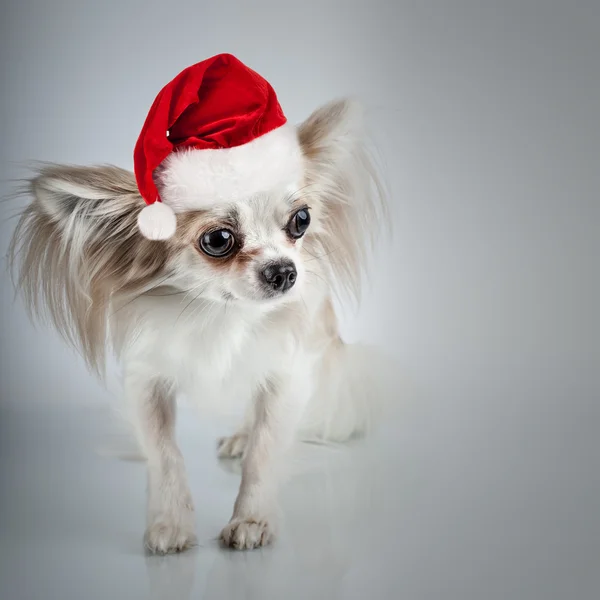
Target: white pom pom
{"x": 157, "y": 221}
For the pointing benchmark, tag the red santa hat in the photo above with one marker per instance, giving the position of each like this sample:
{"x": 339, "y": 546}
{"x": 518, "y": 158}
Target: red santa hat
{"x": 218, "y": 133}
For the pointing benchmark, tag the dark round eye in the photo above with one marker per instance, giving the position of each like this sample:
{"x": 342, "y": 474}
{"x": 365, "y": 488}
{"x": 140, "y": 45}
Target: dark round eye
{"x": 299, "y": 223}
{"x": 217, "y": 243}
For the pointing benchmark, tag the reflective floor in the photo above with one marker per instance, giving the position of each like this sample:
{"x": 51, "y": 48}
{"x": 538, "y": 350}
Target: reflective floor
{"x": 425, "y": 510}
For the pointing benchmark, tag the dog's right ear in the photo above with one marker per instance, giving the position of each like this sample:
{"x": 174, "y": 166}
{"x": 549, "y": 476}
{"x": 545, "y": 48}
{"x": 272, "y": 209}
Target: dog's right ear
{"x": 77, "y": 245}
{"x": 66, "y": 193}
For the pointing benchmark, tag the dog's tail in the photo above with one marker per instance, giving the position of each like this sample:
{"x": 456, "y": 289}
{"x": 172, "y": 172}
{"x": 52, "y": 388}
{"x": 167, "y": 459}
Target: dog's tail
{"x": 354, "y": 389}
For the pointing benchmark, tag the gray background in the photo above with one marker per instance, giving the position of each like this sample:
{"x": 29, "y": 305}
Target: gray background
{"x": 488, "y": 483}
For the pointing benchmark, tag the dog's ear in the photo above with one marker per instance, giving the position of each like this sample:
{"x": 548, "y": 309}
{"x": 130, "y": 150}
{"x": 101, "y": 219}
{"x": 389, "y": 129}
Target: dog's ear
{"x": 66, "y": 193}
{"x": 76, "y": 245}
{"x": 344, "y": 185}
{"x": 333, "y": 132}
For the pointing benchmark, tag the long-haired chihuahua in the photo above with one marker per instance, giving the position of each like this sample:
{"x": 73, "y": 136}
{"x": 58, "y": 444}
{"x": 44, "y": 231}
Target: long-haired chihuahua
{"x": 214, "y": 266}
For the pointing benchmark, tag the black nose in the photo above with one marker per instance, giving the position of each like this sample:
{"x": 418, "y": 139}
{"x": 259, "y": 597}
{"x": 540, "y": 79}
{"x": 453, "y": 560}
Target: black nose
{"x": 280, "y": 276}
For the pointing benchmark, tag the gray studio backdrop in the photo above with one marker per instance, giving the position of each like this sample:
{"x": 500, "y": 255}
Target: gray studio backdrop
{"x": 487, "y": 117}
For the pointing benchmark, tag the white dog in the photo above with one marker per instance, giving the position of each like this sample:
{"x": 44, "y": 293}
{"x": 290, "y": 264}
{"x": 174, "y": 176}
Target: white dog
{"x": 240, "y": 293}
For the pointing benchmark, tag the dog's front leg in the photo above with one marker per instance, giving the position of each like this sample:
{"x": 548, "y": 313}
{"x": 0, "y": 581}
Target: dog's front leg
{"x": 170, "y": 510}
{"x": 279, "y": 405}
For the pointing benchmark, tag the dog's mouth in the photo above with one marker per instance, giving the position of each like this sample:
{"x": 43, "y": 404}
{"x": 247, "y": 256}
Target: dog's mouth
{"x": 258, "y": 295}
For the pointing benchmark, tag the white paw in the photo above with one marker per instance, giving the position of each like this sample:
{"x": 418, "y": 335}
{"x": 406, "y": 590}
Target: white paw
{"x": 232, "y": 446}
{"x": 165, "y": 536}
{"x": 245, "y": 534}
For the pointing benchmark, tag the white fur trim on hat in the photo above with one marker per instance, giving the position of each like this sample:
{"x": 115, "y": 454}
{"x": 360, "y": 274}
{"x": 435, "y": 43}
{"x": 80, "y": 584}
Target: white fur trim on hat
{"x": 157, "y": 221}
{"x": 194, "y": 179}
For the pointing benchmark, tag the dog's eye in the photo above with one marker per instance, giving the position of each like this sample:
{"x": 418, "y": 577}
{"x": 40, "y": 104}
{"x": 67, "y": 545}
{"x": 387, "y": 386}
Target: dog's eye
{"x": 217, "y": 243}
{"x": 299, "y": 223}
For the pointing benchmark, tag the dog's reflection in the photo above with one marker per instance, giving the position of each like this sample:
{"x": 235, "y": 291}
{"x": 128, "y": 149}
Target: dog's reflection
{"x": 172, "y": 576}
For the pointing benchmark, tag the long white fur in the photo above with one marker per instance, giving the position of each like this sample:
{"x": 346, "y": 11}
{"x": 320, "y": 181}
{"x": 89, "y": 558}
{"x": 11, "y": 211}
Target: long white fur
{"x": 211, "y": 334}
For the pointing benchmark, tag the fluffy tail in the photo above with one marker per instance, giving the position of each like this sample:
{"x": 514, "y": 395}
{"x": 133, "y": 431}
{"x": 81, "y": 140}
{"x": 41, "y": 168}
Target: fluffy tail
{"x": 353, "y": 390}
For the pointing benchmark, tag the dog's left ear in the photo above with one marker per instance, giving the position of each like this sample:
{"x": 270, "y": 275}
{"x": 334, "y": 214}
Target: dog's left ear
{"x": 345, "y": 186}
{"x": 333, "y": 132}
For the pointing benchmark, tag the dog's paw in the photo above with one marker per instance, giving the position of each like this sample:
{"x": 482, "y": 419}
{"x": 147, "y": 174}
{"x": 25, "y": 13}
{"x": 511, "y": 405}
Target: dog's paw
{"x": 233, "y": 446}
{"x": 165, "y": 537}
{"x": 245, "y": 534}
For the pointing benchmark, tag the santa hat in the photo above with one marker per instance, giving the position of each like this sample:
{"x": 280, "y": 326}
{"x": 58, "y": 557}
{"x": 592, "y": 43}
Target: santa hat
{"x": 218, "y": 133}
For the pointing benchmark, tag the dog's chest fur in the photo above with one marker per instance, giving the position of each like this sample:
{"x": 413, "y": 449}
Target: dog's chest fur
{"x": 215, "y": 352}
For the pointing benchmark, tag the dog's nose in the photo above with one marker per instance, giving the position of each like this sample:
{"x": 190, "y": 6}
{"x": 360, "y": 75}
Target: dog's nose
{"x": 280, "y": 276}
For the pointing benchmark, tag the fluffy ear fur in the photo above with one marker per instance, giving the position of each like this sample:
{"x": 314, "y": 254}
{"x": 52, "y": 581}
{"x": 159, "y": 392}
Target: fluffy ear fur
{"x": 75, "y": 244}
{"x": 343, "y": 179}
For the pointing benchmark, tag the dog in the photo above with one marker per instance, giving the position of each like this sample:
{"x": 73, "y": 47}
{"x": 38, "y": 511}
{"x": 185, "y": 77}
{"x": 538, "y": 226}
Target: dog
{"x": 241, "y": 293}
